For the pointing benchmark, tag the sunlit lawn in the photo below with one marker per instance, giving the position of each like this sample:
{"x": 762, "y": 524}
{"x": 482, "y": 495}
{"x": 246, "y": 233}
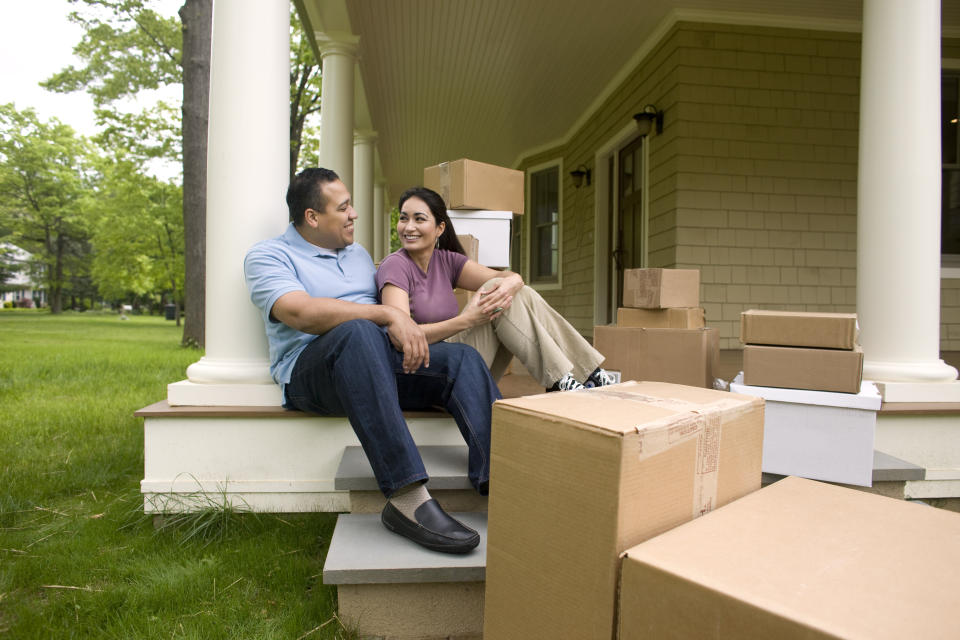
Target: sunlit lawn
{"x": 77, "y": 556}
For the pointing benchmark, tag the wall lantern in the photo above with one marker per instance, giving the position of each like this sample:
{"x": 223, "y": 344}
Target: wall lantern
{"x": 578, "y": 175}
{"x": 647, "y": 118}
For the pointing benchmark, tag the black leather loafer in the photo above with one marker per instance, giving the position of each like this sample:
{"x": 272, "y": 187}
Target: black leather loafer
{"x": 433, "y": 529}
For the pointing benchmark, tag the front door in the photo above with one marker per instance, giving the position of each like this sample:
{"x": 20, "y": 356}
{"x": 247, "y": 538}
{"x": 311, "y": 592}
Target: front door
{"x": 630, "y": 250}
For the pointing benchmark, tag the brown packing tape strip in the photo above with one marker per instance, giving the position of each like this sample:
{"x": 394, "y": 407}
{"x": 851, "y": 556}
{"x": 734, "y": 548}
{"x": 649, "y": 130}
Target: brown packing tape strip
{"x": 695, "y": 422}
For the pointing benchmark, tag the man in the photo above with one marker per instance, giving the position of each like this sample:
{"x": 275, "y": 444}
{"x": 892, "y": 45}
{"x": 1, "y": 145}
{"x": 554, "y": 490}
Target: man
{"x": 335, "y": 351}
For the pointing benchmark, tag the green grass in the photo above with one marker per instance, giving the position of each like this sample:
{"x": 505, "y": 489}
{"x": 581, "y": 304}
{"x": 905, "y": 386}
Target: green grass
{"x": 78, "y": 558}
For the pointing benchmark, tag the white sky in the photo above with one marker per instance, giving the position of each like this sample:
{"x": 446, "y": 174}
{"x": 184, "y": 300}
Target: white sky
{"x": 37, "y": 40}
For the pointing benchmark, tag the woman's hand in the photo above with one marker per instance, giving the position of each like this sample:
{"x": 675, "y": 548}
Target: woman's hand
{"x": 472, "y": 312}
{"x": 498, "y": 296}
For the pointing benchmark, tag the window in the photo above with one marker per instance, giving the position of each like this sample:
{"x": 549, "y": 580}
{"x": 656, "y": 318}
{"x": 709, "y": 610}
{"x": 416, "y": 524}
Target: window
{"x": 950, "y": 159}
{"x": 545, "y": 225}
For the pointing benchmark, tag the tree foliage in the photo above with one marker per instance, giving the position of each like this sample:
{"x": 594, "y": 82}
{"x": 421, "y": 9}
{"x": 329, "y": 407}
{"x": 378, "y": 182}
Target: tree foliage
{"x": 44, "y": 176}
{"x": 305, "y": 89}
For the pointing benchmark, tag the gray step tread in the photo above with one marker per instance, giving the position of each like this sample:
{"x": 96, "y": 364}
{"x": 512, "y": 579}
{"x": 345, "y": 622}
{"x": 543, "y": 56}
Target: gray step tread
{"x": 446, "y": 465}
{"x": 887, "y": 468}
{"x": 363, "y": 551}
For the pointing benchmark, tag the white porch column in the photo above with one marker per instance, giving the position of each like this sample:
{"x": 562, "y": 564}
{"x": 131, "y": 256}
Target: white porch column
{"x": 381, "y": 223}
{"x": 247, "y": 164}
{"x": 338, "y": 53}
{"x": 363, "y": 144}
{"x": 898, "y": 218}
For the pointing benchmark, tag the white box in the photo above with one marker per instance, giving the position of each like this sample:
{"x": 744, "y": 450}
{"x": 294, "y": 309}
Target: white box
{"x": 491, "y": 228}
{"x": 818, "y": 434}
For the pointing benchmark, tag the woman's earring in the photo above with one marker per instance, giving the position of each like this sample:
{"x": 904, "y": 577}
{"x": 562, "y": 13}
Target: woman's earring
{"x": 436, "y": 245}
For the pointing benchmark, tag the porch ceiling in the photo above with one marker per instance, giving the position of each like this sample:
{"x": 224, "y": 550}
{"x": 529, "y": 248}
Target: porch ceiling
{"x": 494, "y": 79}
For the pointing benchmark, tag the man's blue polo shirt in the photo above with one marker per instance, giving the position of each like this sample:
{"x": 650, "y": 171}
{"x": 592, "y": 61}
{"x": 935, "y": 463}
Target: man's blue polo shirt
{"x": 290, "y": 263}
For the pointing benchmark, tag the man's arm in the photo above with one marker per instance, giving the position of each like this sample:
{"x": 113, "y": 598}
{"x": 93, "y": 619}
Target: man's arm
{"x": 302, "y": 312}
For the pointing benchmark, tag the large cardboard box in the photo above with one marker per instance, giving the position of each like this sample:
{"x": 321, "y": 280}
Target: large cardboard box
{"x": 579, "y": 477}
{"x": 682, "y": 356}
{"x": 818, "y": 434}
{"x": 468, "y": 184}
{"x": 677, "y": 318}
{"x": 492, "y": 231}
{"x": 799, "y": 329}
{"x": 661, "y": 288}
{"x": 803, "y": 368}
{"x": 798, "y": 559}
{"x": 471, "y": 245}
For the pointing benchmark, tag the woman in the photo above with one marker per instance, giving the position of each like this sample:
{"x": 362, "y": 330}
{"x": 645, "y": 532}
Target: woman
{"x": 503, "y": 319}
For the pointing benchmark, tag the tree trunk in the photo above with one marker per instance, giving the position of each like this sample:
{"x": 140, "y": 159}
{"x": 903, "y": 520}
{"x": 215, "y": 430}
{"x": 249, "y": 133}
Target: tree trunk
{"x": 197, "y": 18}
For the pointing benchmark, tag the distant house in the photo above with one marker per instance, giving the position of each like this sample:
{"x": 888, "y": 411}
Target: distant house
{"x": 22, "y": 285}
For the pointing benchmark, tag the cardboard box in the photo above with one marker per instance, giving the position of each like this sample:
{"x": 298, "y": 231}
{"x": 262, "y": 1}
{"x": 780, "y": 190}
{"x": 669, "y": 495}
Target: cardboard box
{"x": 471, "y": 245}
{"x": 492, "y": 231}
{"x": 661, "y": 288}
{"x": 677, "y": 318}
{"x": 468, "y": 184}
{"x": 818, "y": 434}
{"x": 798, "y": 559}
{"x": 803, "y": 368}
{"x": 579, "y": 477}
{"x": 463, "y": 297}
{"x": 682, "y": 356}
{"x": 799, "y": 329}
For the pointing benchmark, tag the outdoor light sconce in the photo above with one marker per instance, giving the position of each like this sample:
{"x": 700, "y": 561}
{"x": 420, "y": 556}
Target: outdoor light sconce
{"x": 578, "y": 175}
{"x": 647, "y": 118}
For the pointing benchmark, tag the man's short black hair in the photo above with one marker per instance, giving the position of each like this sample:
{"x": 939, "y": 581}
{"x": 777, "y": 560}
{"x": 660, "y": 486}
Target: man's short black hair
{"x": 306, "y": 192}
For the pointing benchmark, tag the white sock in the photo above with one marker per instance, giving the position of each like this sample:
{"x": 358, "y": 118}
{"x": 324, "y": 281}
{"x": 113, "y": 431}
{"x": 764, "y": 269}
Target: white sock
{"x": 407, "y": 499}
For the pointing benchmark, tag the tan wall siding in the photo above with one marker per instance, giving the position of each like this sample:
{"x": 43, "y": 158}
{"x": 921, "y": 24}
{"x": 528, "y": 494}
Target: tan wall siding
{"x": 753, "y": 180}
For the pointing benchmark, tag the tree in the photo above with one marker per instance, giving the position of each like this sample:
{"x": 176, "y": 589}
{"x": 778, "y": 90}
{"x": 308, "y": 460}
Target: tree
{"x": 305, "y": 89}
{"x": 138, "y": 238}
{"x": 44, "y": 175}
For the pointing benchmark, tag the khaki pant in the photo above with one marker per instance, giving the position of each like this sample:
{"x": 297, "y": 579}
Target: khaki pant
{"x": 547, "y": 345}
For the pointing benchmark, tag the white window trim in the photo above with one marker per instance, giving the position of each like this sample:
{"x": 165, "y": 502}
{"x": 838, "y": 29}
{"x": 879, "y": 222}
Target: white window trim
{"x": 544, "y": 286}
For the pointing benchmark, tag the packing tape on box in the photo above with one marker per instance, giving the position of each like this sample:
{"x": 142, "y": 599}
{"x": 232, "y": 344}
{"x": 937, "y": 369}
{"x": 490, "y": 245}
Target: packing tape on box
{"x": 693, "y": 421}
{"x": 445, "y": 182}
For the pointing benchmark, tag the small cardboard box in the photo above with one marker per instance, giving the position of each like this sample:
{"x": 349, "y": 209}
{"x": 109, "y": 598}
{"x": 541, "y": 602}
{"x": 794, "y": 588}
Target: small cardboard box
{"x": 471, "y": 245}
{"x": 799, "y": 329}
{"x": 661, "y": 288}
{"x": 682, "y": 356}
{"x": 492, "y": 231}
{"x": 818, "y": 434}
{"x": 468, "y": 184}
{"x": 803, "y": 368}
{"x": 798, "y": 559}
{"x": 579, "y": 477}
{"x": 677, "y": 318}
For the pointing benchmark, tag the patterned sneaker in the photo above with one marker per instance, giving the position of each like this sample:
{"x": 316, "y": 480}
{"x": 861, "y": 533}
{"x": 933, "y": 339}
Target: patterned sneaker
{"x": 566, "y": 383}
{"x": 599, "y": 378}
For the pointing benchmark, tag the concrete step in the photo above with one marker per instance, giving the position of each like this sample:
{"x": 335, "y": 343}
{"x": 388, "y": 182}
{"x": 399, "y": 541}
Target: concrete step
{"x": 890, "y": 476}
{"x": 390, "y": 587}
{"x": 445, "y": 464}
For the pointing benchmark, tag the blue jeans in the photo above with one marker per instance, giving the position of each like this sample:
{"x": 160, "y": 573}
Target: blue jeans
{"x": 353, "y": 369}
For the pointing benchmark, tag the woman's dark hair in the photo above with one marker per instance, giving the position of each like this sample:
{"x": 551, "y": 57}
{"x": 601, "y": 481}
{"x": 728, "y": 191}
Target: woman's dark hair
{"x": 448, "y": 239}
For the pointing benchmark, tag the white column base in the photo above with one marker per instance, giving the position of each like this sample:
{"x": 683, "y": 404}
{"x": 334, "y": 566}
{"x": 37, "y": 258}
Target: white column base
{"x": 922, "y": 372}
{"x": 919, "y": 391}
{"x": 208, "y": 370}
{"x": 191, "y": 394}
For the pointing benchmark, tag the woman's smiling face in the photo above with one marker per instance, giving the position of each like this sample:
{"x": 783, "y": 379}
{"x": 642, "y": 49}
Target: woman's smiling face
{"x": 416, "y": 227}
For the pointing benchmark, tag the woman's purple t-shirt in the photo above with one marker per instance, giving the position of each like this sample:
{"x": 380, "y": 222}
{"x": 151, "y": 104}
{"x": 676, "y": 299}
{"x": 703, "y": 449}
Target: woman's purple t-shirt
{"x": 431, "y": 293}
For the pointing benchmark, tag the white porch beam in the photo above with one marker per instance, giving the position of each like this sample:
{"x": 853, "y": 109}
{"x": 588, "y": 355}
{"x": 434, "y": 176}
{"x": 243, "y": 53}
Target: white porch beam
{"x": 363, "y": 148}
{"x": 338, "y": 54}
{"x": 898, "y": 218}
{"x": 247, "y": 179}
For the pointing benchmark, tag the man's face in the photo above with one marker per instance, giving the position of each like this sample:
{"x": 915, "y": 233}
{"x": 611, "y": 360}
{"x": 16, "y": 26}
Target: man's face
{"x": 332, "y": 228}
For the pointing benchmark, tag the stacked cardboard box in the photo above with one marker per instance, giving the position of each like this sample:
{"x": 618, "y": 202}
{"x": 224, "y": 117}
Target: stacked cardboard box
{"x": 798, "y": 350}
{"x": 577, "y": 478}
{"x": 482, "y": 199}
{"x": 660, "y": 333}
{"x": 798, "y": 559}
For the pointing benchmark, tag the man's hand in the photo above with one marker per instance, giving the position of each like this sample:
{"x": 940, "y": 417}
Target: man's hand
{"x": 409, "y": 339}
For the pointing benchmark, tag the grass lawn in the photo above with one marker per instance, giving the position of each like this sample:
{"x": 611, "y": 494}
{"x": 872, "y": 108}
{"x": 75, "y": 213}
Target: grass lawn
{"x": 77, "y": 556}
